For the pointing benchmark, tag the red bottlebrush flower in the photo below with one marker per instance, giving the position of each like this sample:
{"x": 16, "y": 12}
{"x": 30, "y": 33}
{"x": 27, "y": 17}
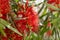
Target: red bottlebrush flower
{"x": 49, "y": 33}
{"x": 8, "y": 32}
{"x": 20, "y": 13}
{"x": 4, "y": 38}
{"x": 32, "y": 19}
{"x": 3, "y": 16}
{"x": 15, "y": 36}
{"x": 4, "y": 6}
{"x": 12, "y": 35}
{"x": 21, "y": 25}
{"x": 49, "y": 24}
{"x": 51, "y": 1}
{"x": 55, "y": 3}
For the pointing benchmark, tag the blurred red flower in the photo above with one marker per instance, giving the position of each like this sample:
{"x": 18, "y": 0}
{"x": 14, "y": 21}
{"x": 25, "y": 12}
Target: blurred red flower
{"x": 4, "y": 8}
{"x": 49, "y": 33}
{"x": 55, "y": 3}
{"x": 31, "y": 20}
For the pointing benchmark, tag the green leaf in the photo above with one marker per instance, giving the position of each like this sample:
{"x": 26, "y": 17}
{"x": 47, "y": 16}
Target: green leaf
{"x": 7, "y": 24}
{"x": 38, "y": 4}
{"x": 51, "y": 6}
{"x": 45, "y": 10}
{"x": 1, "y": 29}
{"x": 55, "y": 20}
{"x": 4, "y": 22}
{"x": 13, "y": 29}
{"x": 44, "y": 13}
{"x": 31, "y": 36}
{"x": 42, "y": 7}
{"x": 16, "y": 1}
{"x": 27, "y": 38}
{"x": 43, "y": 30}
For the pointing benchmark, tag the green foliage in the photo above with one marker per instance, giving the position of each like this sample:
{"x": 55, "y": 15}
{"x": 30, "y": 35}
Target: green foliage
{"x": 53, "y": 7}
{"x": 16, "y": 1}
{"x": 2, "y": 29}
{"x": 53, "y": 17}
{"x": 8, "y": 25}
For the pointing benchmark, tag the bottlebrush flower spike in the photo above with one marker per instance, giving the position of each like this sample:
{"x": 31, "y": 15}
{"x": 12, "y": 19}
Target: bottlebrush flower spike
{"x": 49, "y": 33}
{"x": 3, "y": 16}
{"x": 4, "y": 8}
{"x": 15, "y": 36}
{"x": 32, "y": 18}
{"x": 51, "y": 1}
{"x": 55, "y": 3}
{"x": 21, "y": 25}
{"x": 49, "y": 24}
{"x": 4, "y": 38}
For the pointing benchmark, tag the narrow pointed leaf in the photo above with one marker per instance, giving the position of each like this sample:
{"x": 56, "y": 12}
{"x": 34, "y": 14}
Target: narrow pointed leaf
{"x": 13, "y": 29}
{"x": 1, "y": 29}
{"x": 41, "y": 7}
{"x": 44, "y": 13}
{"x": 38, "y": 4}
{"x": 7, "y": 24}
{"x": 51, "y": 6}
